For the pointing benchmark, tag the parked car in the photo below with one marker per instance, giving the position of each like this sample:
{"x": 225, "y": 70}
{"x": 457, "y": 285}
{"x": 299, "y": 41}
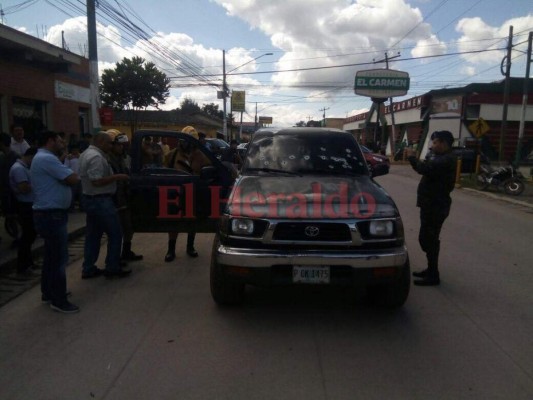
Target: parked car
{"x": 305, "y": 210}
{"x": 373, "y": 159}
{"x": 217, "y": 146}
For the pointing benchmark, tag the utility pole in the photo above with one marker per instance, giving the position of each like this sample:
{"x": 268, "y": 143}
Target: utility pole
{"x": 393, "y": 123}
{"x": 324, "y": 115}
{"x": 506, "y": 89}
{"x": 524, "y": 100}
{"x": 255, "y": 120}
{"x": 93, "y": 66}
{"x": 224, "y": 95}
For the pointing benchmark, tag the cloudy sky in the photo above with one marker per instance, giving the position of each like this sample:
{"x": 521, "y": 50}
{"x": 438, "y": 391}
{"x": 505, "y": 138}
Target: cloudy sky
{"x": 317, "y": 46}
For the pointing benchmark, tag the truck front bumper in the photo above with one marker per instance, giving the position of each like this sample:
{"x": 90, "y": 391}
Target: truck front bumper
{"x": 274, "y": 267}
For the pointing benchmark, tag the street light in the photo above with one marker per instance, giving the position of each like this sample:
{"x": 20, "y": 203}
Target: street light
{"x": 225, "y": 88}
{"x": 248, "y": 62}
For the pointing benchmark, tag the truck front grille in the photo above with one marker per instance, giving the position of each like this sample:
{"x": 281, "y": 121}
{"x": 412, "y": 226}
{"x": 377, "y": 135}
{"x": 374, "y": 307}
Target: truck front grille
{"x": 312, "y": 232}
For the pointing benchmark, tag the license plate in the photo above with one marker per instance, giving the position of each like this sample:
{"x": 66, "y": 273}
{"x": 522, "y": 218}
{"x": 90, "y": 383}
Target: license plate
{"x": 310, "y": 274}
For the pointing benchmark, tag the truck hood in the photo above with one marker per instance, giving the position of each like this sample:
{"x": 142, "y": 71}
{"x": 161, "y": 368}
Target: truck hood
{"x": 310, "y": 197}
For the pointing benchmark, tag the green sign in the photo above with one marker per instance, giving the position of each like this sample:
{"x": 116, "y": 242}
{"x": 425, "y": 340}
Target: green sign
{"x": 381, "y": 83}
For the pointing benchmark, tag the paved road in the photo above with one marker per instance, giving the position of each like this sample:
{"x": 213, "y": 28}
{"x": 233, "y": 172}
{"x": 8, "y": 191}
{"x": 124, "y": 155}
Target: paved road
{"x": 159, "y": 335}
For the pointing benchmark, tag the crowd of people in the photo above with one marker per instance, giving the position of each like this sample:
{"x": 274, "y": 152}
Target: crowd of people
{"x": 41, "y": 184}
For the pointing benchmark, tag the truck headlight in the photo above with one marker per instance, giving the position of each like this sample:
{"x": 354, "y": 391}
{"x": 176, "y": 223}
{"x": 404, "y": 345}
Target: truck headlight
{"x": 242, "y": 226}
{"x": 381, "y": 228}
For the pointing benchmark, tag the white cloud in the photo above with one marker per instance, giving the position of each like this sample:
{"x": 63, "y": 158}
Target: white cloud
{"x": 334, "y": 32}
{"x": 478, "y": 35}
{"x": 309, "y": 34}
{"x": 429, "y": 47}
{"x": 468, "y": 70}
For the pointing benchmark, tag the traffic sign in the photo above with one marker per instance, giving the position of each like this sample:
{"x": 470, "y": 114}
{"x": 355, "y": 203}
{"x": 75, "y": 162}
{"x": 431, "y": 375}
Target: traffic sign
{"x": 381, "y": 83}
{"x": 238, "y": 100}
{"x": 479, "y": 127}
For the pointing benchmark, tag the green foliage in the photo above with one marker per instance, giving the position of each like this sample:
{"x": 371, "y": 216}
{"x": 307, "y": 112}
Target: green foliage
{"x": 134, "y": 84}
{"x": 189, "y": 106}
{"x": 212, "y": 110}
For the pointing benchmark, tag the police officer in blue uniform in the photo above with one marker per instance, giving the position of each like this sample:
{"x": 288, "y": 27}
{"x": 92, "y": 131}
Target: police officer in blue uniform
{"x": 433, "y": 198}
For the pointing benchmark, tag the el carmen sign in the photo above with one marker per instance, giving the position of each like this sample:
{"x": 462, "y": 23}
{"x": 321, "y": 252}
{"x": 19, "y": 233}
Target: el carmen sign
{"x": 381, "y": 83}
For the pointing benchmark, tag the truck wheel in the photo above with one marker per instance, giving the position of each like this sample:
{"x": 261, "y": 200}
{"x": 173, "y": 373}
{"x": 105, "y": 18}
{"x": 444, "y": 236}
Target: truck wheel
{"x": 224, "y": 290}
{"x": 392, "y": 295}
{"x": 513, "y": 187}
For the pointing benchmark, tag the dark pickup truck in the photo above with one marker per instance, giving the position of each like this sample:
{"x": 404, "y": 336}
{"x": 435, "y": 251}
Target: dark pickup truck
{"x": 166, "y": 200}
{"x": 305, "y": 210}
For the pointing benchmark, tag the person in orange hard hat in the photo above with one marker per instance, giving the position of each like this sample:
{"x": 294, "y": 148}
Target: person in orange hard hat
{"x": 188, "y": 158}
{"x": 117, "y": 160}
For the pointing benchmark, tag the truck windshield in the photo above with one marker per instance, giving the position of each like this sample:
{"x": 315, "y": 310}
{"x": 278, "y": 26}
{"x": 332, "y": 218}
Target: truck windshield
{"x": 337, "y": 154}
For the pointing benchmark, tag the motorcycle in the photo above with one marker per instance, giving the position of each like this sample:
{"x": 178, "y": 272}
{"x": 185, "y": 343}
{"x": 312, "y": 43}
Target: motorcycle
{"x": 506, "y": 177}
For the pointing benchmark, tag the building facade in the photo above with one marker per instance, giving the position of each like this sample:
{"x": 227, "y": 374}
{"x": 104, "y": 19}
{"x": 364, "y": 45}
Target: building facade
{"x": 42, "y": 86}
{"x": 472, "y": 113}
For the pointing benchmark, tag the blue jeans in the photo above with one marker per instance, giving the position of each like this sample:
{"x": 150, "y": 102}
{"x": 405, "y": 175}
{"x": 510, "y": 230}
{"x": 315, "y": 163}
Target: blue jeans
{"x": 52, "y": 226}
{"x": 102, "y": 217}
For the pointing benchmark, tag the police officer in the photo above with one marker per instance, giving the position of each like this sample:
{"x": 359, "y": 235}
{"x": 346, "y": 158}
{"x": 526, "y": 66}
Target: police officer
{"x": 433, "y": 198}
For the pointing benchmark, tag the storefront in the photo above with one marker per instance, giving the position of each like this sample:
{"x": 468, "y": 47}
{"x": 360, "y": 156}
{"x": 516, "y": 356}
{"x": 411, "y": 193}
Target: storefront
{"x": 472, "y": 113}
{"x": 42, "y": 87}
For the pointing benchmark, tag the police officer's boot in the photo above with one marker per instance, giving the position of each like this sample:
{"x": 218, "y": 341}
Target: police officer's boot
{"x": 171, "y": 252}
{"x": 128, "y": 255}
{"x": 431, "y": 277}
{"x": 191, "y": 252}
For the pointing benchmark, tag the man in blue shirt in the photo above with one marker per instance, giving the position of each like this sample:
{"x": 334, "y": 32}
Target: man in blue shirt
{"x": 20, "y": 184}
{"x": 51, "y": 182}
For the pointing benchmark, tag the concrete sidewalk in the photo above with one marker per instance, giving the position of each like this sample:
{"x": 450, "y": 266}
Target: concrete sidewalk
{"x": 8, "y": 253}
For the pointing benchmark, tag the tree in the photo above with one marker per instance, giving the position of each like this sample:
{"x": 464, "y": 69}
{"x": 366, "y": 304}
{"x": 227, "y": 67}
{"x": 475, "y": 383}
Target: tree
{"x": 189, "y": 106}
{"x": 300, "y": 124}
{"x": 212, "y": 110}
{"x": 133, "y": 85}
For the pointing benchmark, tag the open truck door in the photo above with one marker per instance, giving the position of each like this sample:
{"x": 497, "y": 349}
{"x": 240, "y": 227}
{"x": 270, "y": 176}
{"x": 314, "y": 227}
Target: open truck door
{"x": 167, "y": 200}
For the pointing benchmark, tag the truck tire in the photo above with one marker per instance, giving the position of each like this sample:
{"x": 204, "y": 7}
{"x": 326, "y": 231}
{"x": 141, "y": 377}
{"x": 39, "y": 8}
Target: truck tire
{"x": 224, "y": 290}
{"x": 392, "y": 295}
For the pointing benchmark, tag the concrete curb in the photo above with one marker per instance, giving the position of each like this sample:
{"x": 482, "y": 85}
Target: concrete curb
{"x": 497, "y": 197}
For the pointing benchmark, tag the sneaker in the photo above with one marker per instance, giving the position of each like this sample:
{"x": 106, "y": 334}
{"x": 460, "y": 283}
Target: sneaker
{"x": 46, "y": 300}
{"x": 123, "y": 273}
{"x": 95, "y": 272}
{"x": 65, "y": 308}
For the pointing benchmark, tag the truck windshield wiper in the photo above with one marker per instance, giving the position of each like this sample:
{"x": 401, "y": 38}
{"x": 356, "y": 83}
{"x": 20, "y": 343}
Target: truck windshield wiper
{"x": 277, "y": 171}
